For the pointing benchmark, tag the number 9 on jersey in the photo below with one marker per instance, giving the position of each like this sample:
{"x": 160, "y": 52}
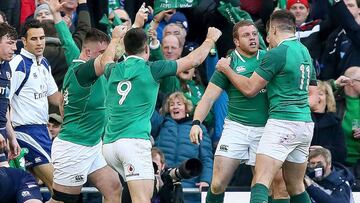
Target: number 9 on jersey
{"x": 123, "y": 90}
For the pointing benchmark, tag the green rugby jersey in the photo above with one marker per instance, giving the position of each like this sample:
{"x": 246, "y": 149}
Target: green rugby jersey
{"x": 84, "y": 107}
{"x": 132, "y": 88}
{"x": 244, "y": 110}
{"x": 289, "y": 70}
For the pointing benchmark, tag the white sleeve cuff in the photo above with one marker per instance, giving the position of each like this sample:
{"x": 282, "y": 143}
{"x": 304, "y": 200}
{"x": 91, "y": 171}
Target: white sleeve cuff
{"x": 157, "y": 45}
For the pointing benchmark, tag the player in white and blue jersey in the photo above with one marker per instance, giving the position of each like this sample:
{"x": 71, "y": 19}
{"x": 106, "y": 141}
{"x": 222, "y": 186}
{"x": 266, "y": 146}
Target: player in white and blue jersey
{"x": 32, "y": 87}
{"x": 15, "y": 185}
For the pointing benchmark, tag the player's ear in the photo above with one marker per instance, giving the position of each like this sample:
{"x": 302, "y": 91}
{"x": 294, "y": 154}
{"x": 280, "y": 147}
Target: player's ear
{"x": 236, "y": 42}
{"x": 23, "y": 39}
{"x": 87, "y": 52}
{"x": 147, "y": 49}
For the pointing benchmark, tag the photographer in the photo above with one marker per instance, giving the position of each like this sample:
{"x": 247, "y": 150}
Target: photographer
{"x": 326, "y": 182}
{"x": 167, "y": 184}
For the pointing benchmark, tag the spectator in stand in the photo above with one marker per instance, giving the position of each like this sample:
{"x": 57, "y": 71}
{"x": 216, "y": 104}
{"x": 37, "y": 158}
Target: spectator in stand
{"x": 54, "y": 125}
{"x": 310, "y": 32}
{"x": 351, "y": 115}
{"x": 328, "y": 132}
{"x": 170, "y": 16}
{"x": 43, "y": 12}
{"x": 343, "y": 45}
{"x": 171, "y": 133}
{"x": 122, "y": 14}
{"x": 189, "y": 81}
{"x": 327, "y": 181}
{"x": 176, "y": 30}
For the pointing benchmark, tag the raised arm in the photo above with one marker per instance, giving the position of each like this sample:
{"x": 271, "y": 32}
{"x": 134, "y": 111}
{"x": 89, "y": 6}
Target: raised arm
{"x": 71, "y": 50}
{"x": 110, "y": 53}
{"x": 196, "y": 57}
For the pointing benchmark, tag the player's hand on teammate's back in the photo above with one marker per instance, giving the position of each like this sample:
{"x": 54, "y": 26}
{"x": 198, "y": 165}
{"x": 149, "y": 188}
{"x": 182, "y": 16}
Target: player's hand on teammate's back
{"x": 196, "y": 134}
{"x": 213, "y": 34}
{"x": 223, "y": 64}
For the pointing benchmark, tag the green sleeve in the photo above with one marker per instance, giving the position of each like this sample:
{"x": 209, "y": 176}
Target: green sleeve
{"x": 170, "y": 84}
{"x": 85, "y": 73}
{"x": 220, "y": 80}
{"x": 108, "y": 69}
{"x": 163, "y": 68}
{"x": 272, "y": 63}
{"x": 156, "y": 54}
{"x": 71, "y": 50}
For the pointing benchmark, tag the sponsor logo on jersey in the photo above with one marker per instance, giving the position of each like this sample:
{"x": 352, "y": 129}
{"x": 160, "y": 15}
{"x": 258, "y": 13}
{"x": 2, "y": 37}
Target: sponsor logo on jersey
{"x": 131, "y": 171}
{"x": 25, "y": 193}
{"x": 262, "y": 91}
{"x": 40, "y": 95}
{"x": 224, "y": 148}
{"x": 79, "y": 178}
{"x": 240, "y": 69}
{"x": 66, "y": 96}
{"x": 37, "y": 160}
{"x": 35, "y": 75}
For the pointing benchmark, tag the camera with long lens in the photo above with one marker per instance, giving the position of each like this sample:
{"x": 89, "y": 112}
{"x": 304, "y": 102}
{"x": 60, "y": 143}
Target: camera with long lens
{"x": 316, "y": 173}
{"x": 171, "y": 191}
{"x": 188, "y": 169}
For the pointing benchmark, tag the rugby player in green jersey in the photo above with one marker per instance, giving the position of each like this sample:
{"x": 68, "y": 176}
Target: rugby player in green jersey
{"x": 288, "y": 74}
{"x": 246, "y": 117}
{"x": 133, "y": 86}
{"x": 77, "y": 151}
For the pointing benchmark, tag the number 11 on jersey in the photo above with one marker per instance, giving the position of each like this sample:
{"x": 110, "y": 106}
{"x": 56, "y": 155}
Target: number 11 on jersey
{"x": 123, "y": 90}
{"x": 305, "y": 75}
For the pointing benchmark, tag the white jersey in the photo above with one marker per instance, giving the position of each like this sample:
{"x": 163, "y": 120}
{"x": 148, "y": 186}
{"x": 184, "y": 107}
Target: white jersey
{"x": 31, "y": 84}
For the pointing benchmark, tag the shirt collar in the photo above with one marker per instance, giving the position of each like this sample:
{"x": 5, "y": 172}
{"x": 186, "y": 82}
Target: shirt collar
{"x": 242, "y": 59}
{"x": 133, "y": 56}
{"x": 288, "y": 39}
{"x": 29, "y": 55}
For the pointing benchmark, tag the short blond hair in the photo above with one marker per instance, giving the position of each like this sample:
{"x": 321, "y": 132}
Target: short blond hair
{"x": 330, "y": 99}
{"x": 181, "y": 97}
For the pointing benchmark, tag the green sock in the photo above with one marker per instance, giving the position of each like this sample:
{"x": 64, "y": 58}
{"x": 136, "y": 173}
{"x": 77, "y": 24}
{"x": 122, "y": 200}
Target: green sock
{"x": 300, "y": 198}
{"x": 281, "y": 201}
{"x": 259, "y": 193}
{"x": 214, "y": 198}
{"x": 270, "y": 200}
